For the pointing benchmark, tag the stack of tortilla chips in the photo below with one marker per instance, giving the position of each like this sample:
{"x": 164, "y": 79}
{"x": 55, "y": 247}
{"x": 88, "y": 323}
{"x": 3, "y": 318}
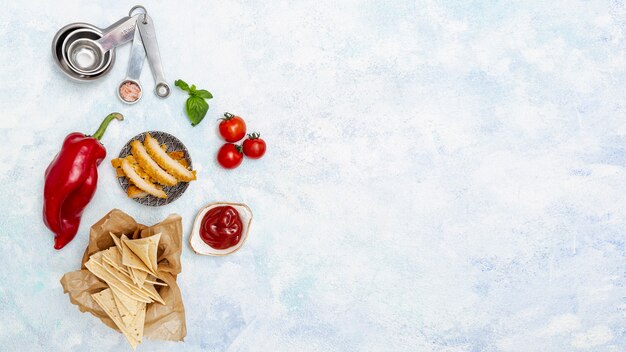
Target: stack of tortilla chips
{"x": 130, "y": 271}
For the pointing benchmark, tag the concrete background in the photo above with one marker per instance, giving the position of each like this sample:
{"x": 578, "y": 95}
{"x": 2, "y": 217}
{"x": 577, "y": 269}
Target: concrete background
{"x": 440, "y": 176}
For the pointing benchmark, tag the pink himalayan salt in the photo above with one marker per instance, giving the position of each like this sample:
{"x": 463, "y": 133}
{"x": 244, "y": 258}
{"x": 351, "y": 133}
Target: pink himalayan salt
{"x": 130, "y": 91}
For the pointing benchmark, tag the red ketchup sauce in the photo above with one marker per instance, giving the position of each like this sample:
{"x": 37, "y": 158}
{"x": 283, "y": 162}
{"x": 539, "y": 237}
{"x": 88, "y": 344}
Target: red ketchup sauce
{"x": 221, "y": 227}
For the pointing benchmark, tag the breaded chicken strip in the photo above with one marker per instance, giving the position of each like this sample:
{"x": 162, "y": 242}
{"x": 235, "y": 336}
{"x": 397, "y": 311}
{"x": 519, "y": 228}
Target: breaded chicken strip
{"x": 170, "y": 165}
{"x": 142, "y": 184}
{"x": 150, "y": 166}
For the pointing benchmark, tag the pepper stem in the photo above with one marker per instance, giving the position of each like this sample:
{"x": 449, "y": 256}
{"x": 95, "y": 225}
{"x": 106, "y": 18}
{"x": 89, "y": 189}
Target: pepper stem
{"x": 105, "y": 123}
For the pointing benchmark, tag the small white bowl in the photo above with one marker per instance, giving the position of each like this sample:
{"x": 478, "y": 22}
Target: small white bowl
{"x": 200, "y": 247}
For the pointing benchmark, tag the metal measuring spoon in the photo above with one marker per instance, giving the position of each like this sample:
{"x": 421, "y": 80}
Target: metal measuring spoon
{"x": 146, "y": 29}
{"x": 130, "y": 91}
{"x": 87, "y": 56}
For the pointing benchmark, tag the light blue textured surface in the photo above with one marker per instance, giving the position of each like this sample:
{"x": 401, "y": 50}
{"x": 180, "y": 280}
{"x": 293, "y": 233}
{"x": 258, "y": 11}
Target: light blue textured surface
{"x": 440, "y": 176}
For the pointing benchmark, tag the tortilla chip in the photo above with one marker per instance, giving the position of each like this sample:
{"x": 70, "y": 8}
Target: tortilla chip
{"x": 154, "y": 282}
{"x": 133, "y": 316}
{"x": 113, "y": 257}
{"x": 114, "y": 282}
{"x": 140, "y": 276}
{"x": 146, "y": 249}
{"x": 117, "y": 241}
{"x": 105, "y": 299}
{"x": 152, "y": 292}
{"x": 112, "y": 262}
{"x": 152, "y": 251}
{"x": 138, "y": 324}
{"x": 140, "y": 250}
{"x": 123, "y": 302}
{"x": 130, "y": 259}
{"x": 127, "y": 281}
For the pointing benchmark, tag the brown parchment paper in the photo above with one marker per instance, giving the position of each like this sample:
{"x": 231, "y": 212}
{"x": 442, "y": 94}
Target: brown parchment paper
{"x": 163, "y": 322}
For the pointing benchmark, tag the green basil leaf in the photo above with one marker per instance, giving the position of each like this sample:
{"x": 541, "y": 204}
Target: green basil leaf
{"x": 203, "y": 93}
{"x": 196, "y": 109}
{"x": 181, "y": 84}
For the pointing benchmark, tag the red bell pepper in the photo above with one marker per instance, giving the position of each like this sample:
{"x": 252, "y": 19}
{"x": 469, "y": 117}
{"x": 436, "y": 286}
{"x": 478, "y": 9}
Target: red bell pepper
{"x": 71, "y": 180}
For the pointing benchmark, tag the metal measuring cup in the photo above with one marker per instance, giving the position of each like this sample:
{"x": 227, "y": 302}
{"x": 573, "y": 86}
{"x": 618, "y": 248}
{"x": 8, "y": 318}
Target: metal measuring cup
{"x": 59, "y": 53}
{"x": 88, "y": 56}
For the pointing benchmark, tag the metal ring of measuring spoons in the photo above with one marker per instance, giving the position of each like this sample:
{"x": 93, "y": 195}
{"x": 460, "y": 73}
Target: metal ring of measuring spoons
{"x": 139, "y": 7}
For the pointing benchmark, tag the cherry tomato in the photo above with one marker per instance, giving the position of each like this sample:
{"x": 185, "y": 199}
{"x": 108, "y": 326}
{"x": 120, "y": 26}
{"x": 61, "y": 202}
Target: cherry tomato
{"x": 254, "y": 147}
{"x": 232, "y": 128}
{"x": 230, "y": 156}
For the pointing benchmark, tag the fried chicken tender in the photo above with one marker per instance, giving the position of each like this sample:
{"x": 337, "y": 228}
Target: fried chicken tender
{"x": 150, "y": 166}
{"x": 134, "y": 192}
{"x": 170, "y": 165}
{"x": 177, "y": 155}
{"x": 144, "y": 174}
{"x": 117, "y": 163}
{"x": 141, "y": 183}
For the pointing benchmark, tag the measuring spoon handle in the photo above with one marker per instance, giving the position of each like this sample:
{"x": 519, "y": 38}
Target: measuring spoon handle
{"x": 137, "y": 57}
{"x": 118, "y": 33}
{"x": 148, "y": 36}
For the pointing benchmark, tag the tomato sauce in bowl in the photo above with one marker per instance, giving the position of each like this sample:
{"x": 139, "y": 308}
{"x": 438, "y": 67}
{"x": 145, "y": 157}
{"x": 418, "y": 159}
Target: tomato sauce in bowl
{"x": 220, "y": 228}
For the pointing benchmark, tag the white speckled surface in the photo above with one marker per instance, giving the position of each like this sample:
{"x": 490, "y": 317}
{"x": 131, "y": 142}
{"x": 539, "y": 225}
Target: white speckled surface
{"x": 439, "y": 177}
